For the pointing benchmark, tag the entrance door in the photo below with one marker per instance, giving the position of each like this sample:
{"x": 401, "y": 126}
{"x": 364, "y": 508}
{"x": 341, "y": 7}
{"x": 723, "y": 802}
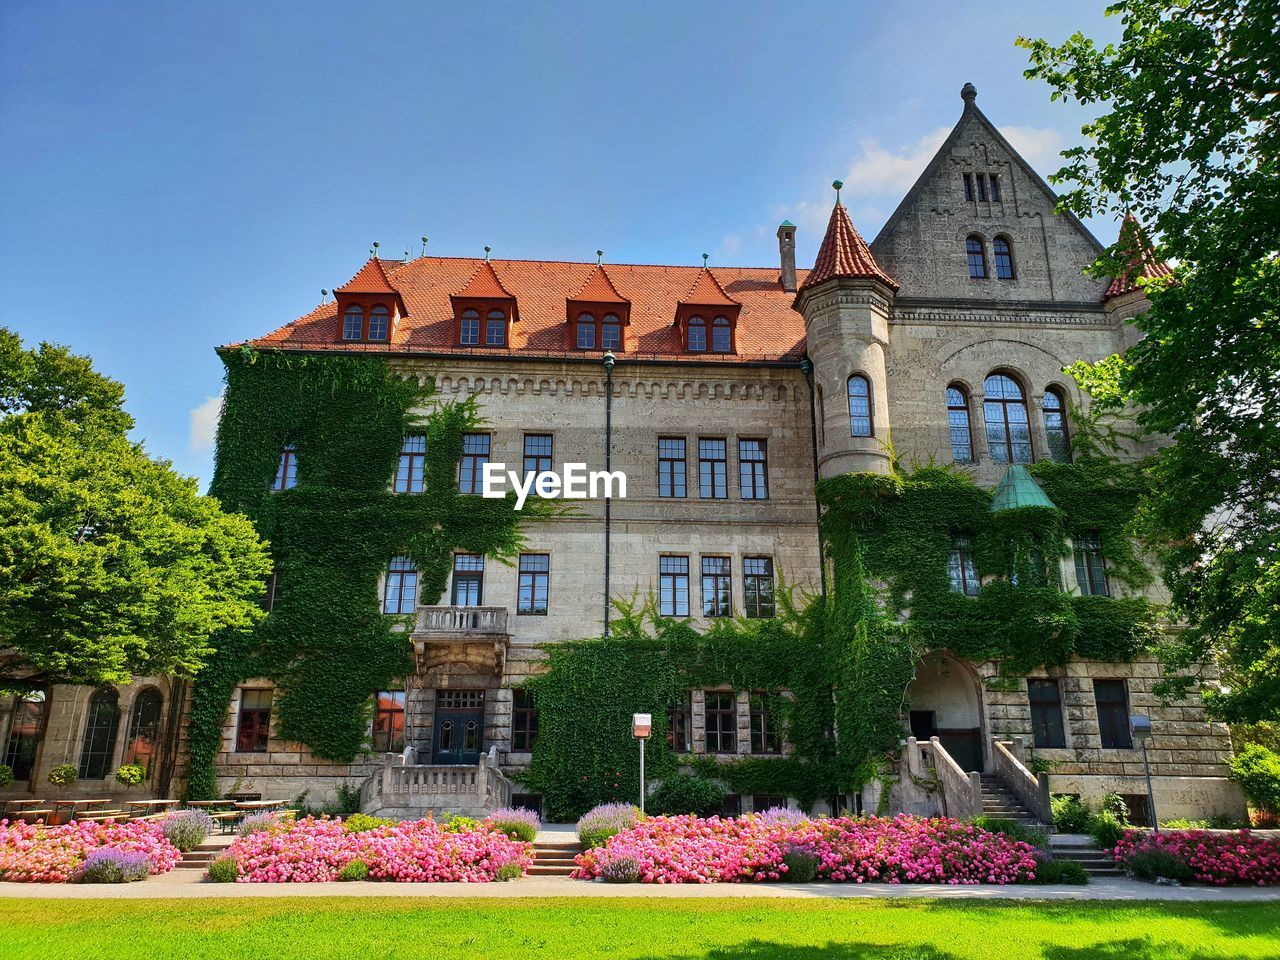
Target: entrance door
{"x": 459, "y": 727}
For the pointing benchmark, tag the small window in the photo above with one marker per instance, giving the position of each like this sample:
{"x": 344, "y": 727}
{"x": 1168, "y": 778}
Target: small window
{"x": 753, "y": 469}
{"x": 26, "y": 729}
{"x": 524, "y": 721}
{"x": 379, "y": 323}
{"x": 287, "y": 471}
{"x": 535, "y": 584}
{"x": 411, "y": 470}
{"x": 352, "y": 323}
{"x": 1046, "y": 713}
{"x": 272, "y": 594}
{"x": 400, "y": 594}
{"x": 977, "y": 257}
{"x": 860, "y": 406}
{"x": 388, "y": 721}
{"x": 469, "y": 328}
{"x": 961, "y": 570}
{"x": 680, "y": 724}
{"x": 981, "y": 179}
{"x": 713, "y": 471}
{"x": 766, "y": 737}
{"x": 143, "y": 740}
{"x": 1004, "y": 258}
{"x": 537, "y": 453}
{"x": 495, "y": 329}
{"x": 98, "y": 748}
{"x": 721, "y": 722}
{"x": 968, "y": 187}
{"x": 671, "y": 467}
{"x": 760, "y": 802}
{"x": 717, "y": 587}
{"x": 475, "y": 454}
{"x": 468, "y": 579}
{"x": 1091, "y": 569}
{"x": 958, "y": 424}
{"x": 721, "y": 336}
{"x": 994, "y": 182}
{"x": 610, "y": 332}
{"x": 1055, "y": 425}
{"x": 253, "y": 730}
{"x": 673, "y": 586}
{"x": 697, "y": 335}
{"x": 586, "y": 332}
{"x": 1004, "y": 408}
{"x": 757, "y": 586}
{"x": 1112, "y": 700}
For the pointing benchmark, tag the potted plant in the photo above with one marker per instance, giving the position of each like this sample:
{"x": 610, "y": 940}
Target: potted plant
{"x": 131, "y": 774}
{"x": 62, "y": 776}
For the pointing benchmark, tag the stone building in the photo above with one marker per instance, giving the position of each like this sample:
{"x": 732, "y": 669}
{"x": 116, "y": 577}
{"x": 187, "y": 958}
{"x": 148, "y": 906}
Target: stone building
{"x": 733, "y": 390}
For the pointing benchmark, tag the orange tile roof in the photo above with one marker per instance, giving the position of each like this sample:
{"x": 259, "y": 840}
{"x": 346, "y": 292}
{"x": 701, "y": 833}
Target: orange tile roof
{"x": 485, "y": 284}
{"x": 370, "y": 278}
{"x": 1142, "y": 260}
{"x": 707, "y": 292}
{"x": 768, "y": 326}
{"x": 844, "y": 254}
{"x": 598, "y": 289}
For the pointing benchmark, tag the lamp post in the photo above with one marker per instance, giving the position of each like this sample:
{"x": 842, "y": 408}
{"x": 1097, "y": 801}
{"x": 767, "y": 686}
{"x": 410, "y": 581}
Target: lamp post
{"x": 641, "y": 725}
{"x": 609, "y": 361}
{"x": 1140, "y": 726}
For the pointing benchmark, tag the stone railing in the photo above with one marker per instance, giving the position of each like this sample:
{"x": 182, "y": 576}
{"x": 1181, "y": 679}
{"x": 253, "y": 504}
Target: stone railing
{"x": 416, "y": 789}
{"x": 462, "y": 622}
{"x": 961, "y": 792}
{"x": 1031, "y": 789}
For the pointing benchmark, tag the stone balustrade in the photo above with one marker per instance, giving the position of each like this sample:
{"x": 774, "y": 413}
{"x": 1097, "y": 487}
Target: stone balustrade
{"x": 414, "y": 790}
{"x": 462, "y": 622}
{"x": 1031, "y": 789}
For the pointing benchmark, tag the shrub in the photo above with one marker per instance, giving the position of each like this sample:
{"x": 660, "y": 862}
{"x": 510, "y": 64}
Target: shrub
{"x": 6, "y": 775}
{"x": 457, "y": 823}
{"x": 1115, "y": 805}
{"x": 360, "y": 822}
{"x": 1257, "y": 770}
{"x": 355, "y": 870}
{"x": 1061, "y": 871}
{"x": 186, "y": 829}
{"x": 515, "y": 823}
{"x": 37, "y": 853}
{"x": 1106, "y": 830}
{"x": 509, "y": 871}
{"x": 348, "y": 799}
{"x": 1154, "y": 864}
{"x": 1071, "y": 814}
{"x": 256, "y": 822}
{"x": 1181, "y": 823}
{"x": 620, "y": 870}
{"x": 224, "y": 870}
{"x": 131, "y": 774}
{"x": 802, "y": 866}
{"x": 783, "y": 815}
{"x": 1217, "y": 858}
{"x": 600, "y": 823}
{"x": 1035, "y": 835}
{"x": 108, "y": 865}
{"x": 63, "y": 775}
{"x": 683, "y": 794}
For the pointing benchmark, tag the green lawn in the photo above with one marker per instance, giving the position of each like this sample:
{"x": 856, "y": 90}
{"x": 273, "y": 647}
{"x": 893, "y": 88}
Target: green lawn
{"x": 375, "y": 928}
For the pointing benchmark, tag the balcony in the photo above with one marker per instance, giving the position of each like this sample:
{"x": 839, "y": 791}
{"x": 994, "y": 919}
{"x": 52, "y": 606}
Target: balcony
{"x": 450, "y": 636}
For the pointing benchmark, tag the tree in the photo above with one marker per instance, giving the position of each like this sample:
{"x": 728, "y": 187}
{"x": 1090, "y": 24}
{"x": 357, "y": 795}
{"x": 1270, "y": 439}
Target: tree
{"x": 1186, "y": 143}
{"x": 111, "y": 564}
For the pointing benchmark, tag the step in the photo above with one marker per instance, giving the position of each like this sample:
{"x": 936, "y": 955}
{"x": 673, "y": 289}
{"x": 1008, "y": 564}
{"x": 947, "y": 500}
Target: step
{"x": 537, "y": 871}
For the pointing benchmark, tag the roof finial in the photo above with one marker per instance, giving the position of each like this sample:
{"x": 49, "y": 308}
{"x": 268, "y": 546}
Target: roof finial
{"x": 968, "y": 93}
{"x": 324, "y": 295}
{"x": 704, "y": 261}
{"x": 837, "y": 185}
{"x": 373, "y": 251}
{"x": 599, "y": 257}
{"x": 424, "y": 246}
{"x": 487, "y": 249}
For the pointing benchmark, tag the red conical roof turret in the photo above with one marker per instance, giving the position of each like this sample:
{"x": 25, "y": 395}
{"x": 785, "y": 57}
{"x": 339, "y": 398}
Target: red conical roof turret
{"x": 844, "y": 254}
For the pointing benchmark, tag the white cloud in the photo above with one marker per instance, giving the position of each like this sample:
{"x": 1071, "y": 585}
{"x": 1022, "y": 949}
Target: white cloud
{"x": 878, "y": 171}
{"x": 204, "y": 424}
{"x": 1039, "y": 146}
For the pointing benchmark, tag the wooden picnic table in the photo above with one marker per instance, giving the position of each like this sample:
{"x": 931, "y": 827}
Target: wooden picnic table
{"x": 209, "y": 804}
{"x": 152, "y": 804}
{"x": 69, "y": 806}
{"x": 25, "y": 803}
{"x": 259, "y": 804}
{"x": 36, "y": 813}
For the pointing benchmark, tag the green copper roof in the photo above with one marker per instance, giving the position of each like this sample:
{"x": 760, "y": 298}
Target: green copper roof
{"x": 786, "y": 223}
{"x": 1018, "y": 489}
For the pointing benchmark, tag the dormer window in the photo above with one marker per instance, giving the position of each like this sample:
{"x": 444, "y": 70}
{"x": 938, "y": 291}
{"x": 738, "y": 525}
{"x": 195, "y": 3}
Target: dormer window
{"x": 368, "y": 305}
{"x": 611, "y": 332}
{"x": 697, "y": 335}
{"x": 352, "y": 323}
{"x": 721, "y": 335}
{"x": 470, "y": 328}
{"x": 597, "y": 314}
{"x": 484, "y": 310}
{"x": 379, "y": 323}
{"x": 586, "y": 332}
{"x": 707, "y": 316}
{"x": 495, "y": 329}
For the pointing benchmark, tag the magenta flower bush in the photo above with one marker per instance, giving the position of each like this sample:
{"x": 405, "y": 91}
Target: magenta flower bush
{"x": 904, "y": 849}
{"x": 35, "y": 853}
{"x": 314, "y": 850}
{"x": 1222, "y": 859}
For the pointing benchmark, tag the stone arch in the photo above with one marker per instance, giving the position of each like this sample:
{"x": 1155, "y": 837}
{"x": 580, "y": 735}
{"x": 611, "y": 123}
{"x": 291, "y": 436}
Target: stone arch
{"x": 945, "y": 701}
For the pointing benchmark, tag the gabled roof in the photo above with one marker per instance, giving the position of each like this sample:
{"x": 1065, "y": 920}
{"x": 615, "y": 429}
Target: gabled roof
{"x": 485, "y": 284}
{"x": 844, "y": 254}
{"x": 1017, "y": 488}
{"x": 1141, "y": 256}
{"x": 370, "y": 278}
{"x": 707, "y": 292}
{"x": 598, "y": 288}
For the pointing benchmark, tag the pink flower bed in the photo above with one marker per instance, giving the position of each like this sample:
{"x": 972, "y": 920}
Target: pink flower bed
{"x": 312, "y": 850}
{"x": 1222, "y": 859}
{"x": 35, "y": 853}
{"x": 903, "y": 849}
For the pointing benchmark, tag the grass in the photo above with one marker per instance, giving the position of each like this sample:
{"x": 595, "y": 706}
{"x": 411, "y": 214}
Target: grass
{"x": 375, "y": 928}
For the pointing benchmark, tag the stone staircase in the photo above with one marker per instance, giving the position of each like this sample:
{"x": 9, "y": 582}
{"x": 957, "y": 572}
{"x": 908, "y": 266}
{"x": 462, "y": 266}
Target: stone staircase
{"x": 1001, "y": 802}
{"x": 553, "y": 858}
{"x": 1085, "y": 852}
{"x": 200, "y": 858}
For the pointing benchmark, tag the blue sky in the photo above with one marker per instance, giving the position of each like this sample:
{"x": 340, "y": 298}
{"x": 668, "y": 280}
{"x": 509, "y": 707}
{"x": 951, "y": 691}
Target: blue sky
{"x": 179, "y": 175}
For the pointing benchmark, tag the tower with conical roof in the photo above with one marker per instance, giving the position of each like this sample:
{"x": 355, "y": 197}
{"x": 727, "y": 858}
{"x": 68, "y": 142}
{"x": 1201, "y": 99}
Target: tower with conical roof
{"x": 845, "y": 301}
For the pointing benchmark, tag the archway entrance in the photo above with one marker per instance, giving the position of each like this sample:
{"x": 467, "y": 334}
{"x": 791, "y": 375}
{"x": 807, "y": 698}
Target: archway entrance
{"x": 944, "y": 704}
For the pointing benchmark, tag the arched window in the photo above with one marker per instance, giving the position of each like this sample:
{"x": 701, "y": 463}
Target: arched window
{"x": 99, "y": 745}
{"x": 1004, "y": 258}
{"x": 495, "y": 330}
{"x": 586, "y": 331}
{"x": 860, "y": 406}
{"x": 977, "y": 257}
{"x": 469, "y": 328}
{"x": 1004, "y": 408}
{"x": 144, "y": 728}
{"x": 721, "y": 336}
{"x": 1055, "y": 425}
{"x": 610, "y": 332}
{"x": 379, "y": 323}
{"x": 958, "y": 424}
{"x": 697, "y": 334}
{"x": 25, "y": 730}
{"x": 352, "y": 323}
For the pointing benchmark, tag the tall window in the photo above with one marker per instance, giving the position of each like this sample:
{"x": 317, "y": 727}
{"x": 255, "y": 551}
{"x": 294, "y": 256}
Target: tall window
{"x": 673, "y": 586}
{"x": 495, "y": 329}
{"x": 671, "y": 467}
{"x": 717, "y": 587}
{"x": 680, "y": 724}
{"x": 697, "y": 334}
{"x": 994, "y": 180}
{"x": 1005, "y": 411}
{"x": 524, "y": 721}
{"x": 721, "y": 722}
{"x": 753, "y": 469}
{"x": 400, "y": 594}
{"x": 968, "y": 186}
{"x": 981, "y": 180}
{"x": 25, "y": 730}
{"x": 586, "y": 331}
{"x": 960, "y": 568}
{"x": 287, "y": 471}
{"x": 99, "y": 745}
{"x": 475, "y": 454}
{"x": 713, "y": 472}
{"x": 253, "y": 731}
{"x": 1046, "y": 713}
{"x": 1055, "y": 425}
{"x": 273, "y": 587}
{"x": 537, "y": 453}
{"x": 388, "y": 721}
{"x": 958, "y": 424}
{"x": 1112, "y": 700}
{"x": 535, "y": 584}
{"x": 469, "y": 328}
{"x": 721, "y": 336}
{"x": 144, "y": 728}
{"x": 976, "y": 254}
{"x": 1004, "y": 258}
{"x": 757, "y": 587}
{"x": 379, "y": 323}
{"x": 411, "y": 470}
{"x": 859, "y": 406}
{"x": 352, "y": 323}
{"x": 1091, "y": 569}
{"x": 468, "y": 579}
{"x": 766, "y": 737}
{"x": 610, "y": 332}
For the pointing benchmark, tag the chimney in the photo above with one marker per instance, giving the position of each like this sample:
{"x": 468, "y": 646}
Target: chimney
{"x": 787, "y": 255}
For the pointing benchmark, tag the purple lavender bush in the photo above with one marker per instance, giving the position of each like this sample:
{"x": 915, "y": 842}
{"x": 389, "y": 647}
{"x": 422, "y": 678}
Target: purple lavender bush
{"x": 783, "y": 815}
{"x": 108, "y": 865}
{"x": 600, "y": 823}
{"x": 256, "y": 822}
{"x": 186, "y": 829}
{"x": 620, "y": 870}
{"x": 515, "y": 823}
